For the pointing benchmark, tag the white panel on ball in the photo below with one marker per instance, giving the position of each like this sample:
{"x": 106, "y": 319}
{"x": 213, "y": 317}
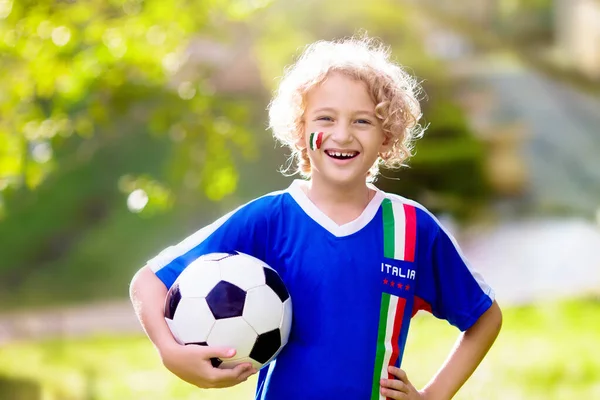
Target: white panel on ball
{"x": 233, "y": 330}
{"x": 286, "y": 323}
{"x": 241, "y": 272}
{"x": 199, "y": 278}
{"x": 263, "y": 309}
{"x": 193, "y": 320}
{"x": 252, "y": 260}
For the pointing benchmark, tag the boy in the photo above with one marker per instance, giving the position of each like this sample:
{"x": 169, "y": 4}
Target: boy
{"x": 358, "y": 262}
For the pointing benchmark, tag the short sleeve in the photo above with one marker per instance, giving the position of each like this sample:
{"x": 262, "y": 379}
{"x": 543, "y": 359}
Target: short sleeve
{"x": 449, "y": 287}
{"x": 244, "y": 230}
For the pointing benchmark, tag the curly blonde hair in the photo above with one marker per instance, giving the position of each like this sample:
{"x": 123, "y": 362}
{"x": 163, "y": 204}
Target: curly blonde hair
{"x": 394, "y": 92}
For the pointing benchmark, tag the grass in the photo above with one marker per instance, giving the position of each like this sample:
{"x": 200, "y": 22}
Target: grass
{"x": 547, "y": 351}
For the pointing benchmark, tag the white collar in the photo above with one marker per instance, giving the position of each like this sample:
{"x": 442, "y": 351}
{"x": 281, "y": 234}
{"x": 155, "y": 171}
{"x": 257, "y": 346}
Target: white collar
{"x": 295, "y": 190}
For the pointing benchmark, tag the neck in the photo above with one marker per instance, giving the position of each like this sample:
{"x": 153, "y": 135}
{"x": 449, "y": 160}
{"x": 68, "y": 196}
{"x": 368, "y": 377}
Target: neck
{"x": 340, "y": 203}
{"x": 349, "y": 194}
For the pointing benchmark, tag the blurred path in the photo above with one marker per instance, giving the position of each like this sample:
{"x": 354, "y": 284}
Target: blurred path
{"x": 531, "y": 255}
{"x": 562, "y": 143}
{"x": 537, "y": 260}
{"x": 74, "y": 321}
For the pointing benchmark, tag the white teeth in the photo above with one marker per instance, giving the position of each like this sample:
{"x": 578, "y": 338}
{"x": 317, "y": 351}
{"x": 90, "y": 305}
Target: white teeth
{"x": 340, "y": 154}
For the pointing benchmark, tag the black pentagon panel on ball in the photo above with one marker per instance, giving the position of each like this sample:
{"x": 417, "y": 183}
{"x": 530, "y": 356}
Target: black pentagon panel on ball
{"x": 226, "y": 300}
{"x": 214, "y": 360}
{"x": 173, "y": 299}
{"x": 274, "y": 282}
{"x": 266, "y": 346}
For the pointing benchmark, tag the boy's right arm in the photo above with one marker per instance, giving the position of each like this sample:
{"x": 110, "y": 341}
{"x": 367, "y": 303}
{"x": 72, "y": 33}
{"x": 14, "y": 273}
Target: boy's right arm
{"x": 190, "y": 363}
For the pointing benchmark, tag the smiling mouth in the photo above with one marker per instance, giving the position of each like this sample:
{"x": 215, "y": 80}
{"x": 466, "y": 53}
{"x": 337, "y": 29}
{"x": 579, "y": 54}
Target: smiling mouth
{"x": 342, "y": 155}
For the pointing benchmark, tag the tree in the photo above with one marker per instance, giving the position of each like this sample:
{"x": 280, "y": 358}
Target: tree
{"x": 98, "y": 70}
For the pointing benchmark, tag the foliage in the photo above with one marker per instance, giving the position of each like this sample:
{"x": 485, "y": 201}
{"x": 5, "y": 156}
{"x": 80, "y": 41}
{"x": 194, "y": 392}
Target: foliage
{"x": 544, "y": 351}
{"x": 446, "y": 173}
{"x": 104, "y": 68}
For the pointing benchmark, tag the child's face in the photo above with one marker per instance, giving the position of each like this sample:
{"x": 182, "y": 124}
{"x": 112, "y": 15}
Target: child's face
{"x": 342, "y": 108}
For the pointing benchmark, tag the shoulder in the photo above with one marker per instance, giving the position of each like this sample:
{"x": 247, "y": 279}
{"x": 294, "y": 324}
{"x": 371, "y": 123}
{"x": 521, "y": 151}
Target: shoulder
{"x": 425, "y": 220}
{"x": 241, "y": 225}
{"x": 251, "y": 216}
{"x": 261, "y": 207}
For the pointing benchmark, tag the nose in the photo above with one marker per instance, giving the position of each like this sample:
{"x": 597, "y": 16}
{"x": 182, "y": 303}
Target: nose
{"x": 341, "y": 134}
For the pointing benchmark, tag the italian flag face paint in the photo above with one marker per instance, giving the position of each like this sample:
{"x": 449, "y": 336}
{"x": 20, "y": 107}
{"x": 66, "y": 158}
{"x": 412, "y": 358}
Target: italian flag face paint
{"x": 390, "y": 324}
{"x": 315, "y": 140}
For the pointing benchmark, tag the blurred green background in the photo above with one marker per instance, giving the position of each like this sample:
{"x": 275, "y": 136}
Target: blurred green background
{"x": 127, "y": 125}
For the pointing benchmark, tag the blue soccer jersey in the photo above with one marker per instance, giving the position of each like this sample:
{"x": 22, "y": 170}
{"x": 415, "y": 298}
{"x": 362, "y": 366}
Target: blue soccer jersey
{"x": 354, "y": 287}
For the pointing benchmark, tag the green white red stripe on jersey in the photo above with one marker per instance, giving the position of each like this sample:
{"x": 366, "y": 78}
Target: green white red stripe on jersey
{"x": 315, "y": 140}
{"x": 399, "y": 230}
{"x": 399, "y": 241}
{"x": 388, "y": 333}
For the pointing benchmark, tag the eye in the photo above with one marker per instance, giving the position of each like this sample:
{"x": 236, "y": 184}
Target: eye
{"x": 324, "y": 118}
{"x": 363, "y": 121}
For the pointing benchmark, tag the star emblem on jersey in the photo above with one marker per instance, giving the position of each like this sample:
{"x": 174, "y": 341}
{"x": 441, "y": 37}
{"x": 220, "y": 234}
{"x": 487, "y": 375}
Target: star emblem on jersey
{"x": 315, "y": 140}
{"x": 398, "y": 285}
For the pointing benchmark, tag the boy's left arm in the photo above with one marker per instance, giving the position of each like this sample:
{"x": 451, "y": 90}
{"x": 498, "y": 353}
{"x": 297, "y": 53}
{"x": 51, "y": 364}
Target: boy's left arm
{"x": 467, "y": 354}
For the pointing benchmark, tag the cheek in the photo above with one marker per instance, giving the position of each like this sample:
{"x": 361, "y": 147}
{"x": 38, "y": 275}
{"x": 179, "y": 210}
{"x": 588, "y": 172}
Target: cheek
{"x": 373, "y": 139}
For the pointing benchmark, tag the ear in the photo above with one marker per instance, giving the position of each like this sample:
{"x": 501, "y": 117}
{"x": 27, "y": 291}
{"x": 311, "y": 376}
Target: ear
{"x": 300, "y": 143}
{"x": 386, "y": 145}
{"x": 300, "y": 134}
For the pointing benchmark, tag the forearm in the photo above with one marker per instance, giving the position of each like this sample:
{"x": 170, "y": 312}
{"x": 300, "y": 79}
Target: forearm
{"x": 468, "y": 352}
{"x": 147, "y": 295}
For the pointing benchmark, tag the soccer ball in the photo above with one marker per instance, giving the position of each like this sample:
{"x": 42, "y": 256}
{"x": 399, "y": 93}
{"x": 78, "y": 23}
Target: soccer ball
{"x": 231, "y": 300}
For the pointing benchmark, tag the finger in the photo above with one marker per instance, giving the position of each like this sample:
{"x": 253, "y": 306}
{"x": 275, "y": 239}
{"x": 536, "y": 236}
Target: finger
{"x": 394, "y": 384}
{"x": 393, "y": 394}
{"x": 228, "y": 376}
{"x": 245, "y": 375}
{"x": 243, "y": 369}
{"x": 398, "y": 373}
{"x": 218, "y": 352}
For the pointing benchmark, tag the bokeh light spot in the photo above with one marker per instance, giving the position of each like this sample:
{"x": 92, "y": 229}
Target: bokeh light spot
{"x": 186, "y": 90}
{"x": 137, "y": 200}
{"x": 61, "y": 35}
{"x": 5, "y": 8}
{"x": 41, "y": 152}
{"x": 156, "y": 35}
